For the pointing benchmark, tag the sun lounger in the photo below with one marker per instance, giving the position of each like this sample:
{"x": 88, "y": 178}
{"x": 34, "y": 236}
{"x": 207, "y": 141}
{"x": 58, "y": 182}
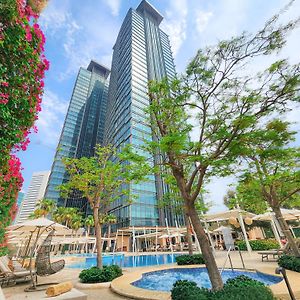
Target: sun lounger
{"x": 11, "y": 276}
{"x": 274, "y": 254}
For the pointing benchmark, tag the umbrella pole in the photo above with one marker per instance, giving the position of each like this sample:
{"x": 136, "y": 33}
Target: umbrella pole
{"x": 31, "y": 256}
{"x": 156, "y": 230}
{"x": 241, "y": 221}
{"x": 170, "y": 241}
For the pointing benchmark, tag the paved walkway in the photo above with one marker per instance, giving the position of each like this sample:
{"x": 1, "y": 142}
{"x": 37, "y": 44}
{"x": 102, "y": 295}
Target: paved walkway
{"x": 252, "y": 261}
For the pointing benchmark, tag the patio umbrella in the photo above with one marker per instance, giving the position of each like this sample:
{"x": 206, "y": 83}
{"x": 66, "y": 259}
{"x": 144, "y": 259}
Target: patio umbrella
{"x": 288, "y": 214}
{"x": 221, "y": 228}
{"x": 35, "y": 227}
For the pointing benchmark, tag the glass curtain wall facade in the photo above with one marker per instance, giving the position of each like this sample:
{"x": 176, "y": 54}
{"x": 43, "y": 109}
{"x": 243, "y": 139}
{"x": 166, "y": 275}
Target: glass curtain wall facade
{"x": 142, "y": 52}
{"x": 82, "y": 129}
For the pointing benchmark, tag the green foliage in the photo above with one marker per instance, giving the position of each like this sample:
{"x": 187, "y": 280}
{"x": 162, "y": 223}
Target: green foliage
{"x": 221, "y": 107}
{"x": 105, "y": 274}
{"x": 22, "y": 68}
{"x": 289, "y": 262}
{"x": 259, "y": 245}
{"x": 239, "y": 288}
{"x": 187, "y": 290}
{"x": 194, "y": 259}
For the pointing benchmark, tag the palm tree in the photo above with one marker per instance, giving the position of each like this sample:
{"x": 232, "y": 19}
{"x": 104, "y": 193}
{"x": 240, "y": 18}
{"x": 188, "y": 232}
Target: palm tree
{"x": 89, "y": 222}
{"x": 110, "y": 219}
{"x": 65, "y": 215}
{"x": 45, "y": 207}
{"x": 76, "y": 222}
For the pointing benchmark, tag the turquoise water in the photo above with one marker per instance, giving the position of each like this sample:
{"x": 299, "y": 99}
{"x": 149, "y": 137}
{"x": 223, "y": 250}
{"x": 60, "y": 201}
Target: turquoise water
{"x": 163, "y": 280}
{"x": 127, "y": 261}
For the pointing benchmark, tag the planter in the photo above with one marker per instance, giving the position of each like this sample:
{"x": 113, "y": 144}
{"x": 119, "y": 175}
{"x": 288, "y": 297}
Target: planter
{"x": 91, "y": 286}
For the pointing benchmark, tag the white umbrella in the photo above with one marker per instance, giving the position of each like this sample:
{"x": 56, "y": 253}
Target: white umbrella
{"x": 226, "y": 215}
{"x": 288, "y": 214}
{"x": 171, "y": 235}
{"x": 221, "y": 228}
{"x": 31, "y": 225}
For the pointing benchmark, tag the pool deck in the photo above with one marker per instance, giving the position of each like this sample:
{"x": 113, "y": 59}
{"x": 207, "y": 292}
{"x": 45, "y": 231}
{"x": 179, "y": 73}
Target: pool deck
{"x": 124, "y": 290}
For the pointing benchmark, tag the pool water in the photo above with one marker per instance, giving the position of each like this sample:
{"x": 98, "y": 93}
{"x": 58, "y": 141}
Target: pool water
{"x": 127, "y": 261}
{"x": 163, "y": 280}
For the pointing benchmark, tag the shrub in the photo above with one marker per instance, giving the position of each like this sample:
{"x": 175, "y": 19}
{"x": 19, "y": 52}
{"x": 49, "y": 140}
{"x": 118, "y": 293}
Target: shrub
{"x": 195, "y": 259}
{"x": 289, "y": 262}
{"x": 239, "y": 288}
{"x": 258, "y": 245}
{"x": 95, "y": 275}
{"x": 187, "y": 290}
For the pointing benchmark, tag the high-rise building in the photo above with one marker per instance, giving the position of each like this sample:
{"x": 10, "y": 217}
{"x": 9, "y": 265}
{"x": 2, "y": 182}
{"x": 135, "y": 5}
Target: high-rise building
{"x": 83, "y": 128}
{"x": 141, "y": 53}
{"x": 35, "y": 192}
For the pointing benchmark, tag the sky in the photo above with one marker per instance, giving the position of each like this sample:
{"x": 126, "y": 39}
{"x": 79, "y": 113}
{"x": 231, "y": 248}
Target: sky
{"x": 78, "y": 31}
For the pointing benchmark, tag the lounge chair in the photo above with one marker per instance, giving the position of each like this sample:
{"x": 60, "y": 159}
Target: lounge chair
{"x": 12, "y": 276}
{"x": 274, "y": 253}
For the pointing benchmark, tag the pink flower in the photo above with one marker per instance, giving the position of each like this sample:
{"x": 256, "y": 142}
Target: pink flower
{"x": 4, "y": 83}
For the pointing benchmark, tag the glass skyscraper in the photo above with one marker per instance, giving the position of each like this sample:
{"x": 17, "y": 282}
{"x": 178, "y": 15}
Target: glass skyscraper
{"x": 142, "y": 52}
{"x": 83, "y": 128}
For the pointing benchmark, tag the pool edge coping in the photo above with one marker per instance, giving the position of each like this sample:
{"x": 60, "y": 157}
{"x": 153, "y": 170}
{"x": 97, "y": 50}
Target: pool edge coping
{"x": 122, "y": 285}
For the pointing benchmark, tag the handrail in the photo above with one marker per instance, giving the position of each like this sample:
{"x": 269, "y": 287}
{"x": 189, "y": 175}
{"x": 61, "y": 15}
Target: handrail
{"x": 241, "y": 256}
{"x": 227, "y": 256}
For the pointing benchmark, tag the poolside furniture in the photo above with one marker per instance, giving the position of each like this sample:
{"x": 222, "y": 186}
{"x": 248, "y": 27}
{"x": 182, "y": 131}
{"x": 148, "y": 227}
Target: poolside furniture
{"x": 274, "y": 254}
{"x": 43, "y": 265}
{"x": 12, "y": 276}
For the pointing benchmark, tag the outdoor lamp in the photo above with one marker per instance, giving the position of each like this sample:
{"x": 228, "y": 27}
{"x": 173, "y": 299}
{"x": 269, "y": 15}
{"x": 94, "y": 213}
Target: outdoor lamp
{"x": 248, "y": 221}
{"x": 232, "y": 220}
{"x": 281, "y": 270}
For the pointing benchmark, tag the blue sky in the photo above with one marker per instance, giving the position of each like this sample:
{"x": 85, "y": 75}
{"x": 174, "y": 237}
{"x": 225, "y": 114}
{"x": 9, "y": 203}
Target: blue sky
{"x": 77, "y": 31}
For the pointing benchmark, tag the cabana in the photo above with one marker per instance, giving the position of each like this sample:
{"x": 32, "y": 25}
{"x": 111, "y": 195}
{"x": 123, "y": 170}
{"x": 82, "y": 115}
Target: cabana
{"x": 237, "y": 217}
{"x": 288, "y": 215}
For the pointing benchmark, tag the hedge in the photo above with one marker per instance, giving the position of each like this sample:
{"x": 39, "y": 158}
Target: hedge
{"x": 258, "y": 245}
{"x": 95, "y": 275}
{"x": 289, "y": 262}
{"x": 195, "y": 259}
{"x": 239, "y": 288}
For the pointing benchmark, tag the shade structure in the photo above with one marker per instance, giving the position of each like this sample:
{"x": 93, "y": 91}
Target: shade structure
{"x": 288, "y": 214}
{"x": 164, "y": 236}
{"x": 226, "y": 215}
{"x": 32, "y": 225}
{"x": 221, "y": 228}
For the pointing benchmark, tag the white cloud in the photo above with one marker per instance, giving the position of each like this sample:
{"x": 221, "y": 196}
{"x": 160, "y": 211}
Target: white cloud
{"x": 51, "y": 118}
{"x": 114, "y": 6}
{"x": 175, "y": 23}
{"x": 202, "y": 19}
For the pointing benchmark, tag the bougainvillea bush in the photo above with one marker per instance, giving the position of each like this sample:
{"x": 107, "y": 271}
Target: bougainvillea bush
{"x": 22, "y": 70}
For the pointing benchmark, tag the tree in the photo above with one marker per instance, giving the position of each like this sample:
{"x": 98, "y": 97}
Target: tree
{"x": 45, "y": 207}
{"x": 226, "y": 106}
{"x": 89, "y": 222}
{"x": 272, "y": 174}
{"x": 22, "y": 69}
{"x": 236, "y": 198}
{"x": 65, "y": 215}
{"x": 102, "y": 179}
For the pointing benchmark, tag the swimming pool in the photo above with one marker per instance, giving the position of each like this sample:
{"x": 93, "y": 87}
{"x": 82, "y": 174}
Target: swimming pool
{"x": 163, "y": 280}
{"x": 127, "y": 261}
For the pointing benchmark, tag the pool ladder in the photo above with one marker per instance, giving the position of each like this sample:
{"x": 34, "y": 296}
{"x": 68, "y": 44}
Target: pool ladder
{"x": 230, "y": 261}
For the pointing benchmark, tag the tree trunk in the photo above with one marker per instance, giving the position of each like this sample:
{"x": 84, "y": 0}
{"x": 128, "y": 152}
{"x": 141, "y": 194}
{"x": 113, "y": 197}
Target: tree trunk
{"x": 188, "y": 233}
{"x": 286, "y": 231}
{"x": 98, "y": 237}
{"x": 108, "y": 235}
{"x": 211, "y": 265}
